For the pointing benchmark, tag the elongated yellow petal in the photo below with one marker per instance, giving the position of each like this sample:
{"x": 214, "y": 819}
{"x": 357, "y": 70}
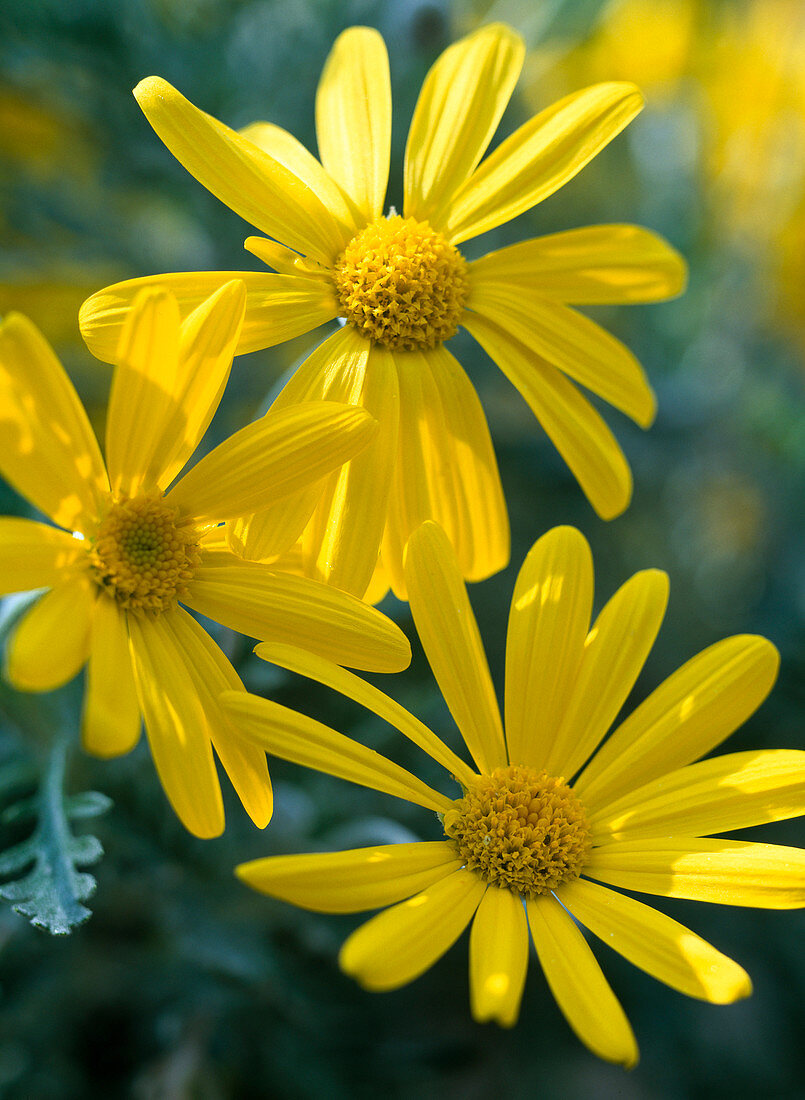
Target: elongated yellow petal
{"x": 614, "y": 653}
{"x": 403, "y": 942}
{"x": 212, "y": 674}
{"x": 175, "y": 722}
{"x": 249, "y": 181}
{"x": 578, "y": 984}
{"x": 291, "y": 736}
{"x": 282, "y": 259}
{"x": 540, "y": 157}
{"x": 34, "y": 555}
{"x": 353, "y": 117}
{"x": 207, "y": 343}
{"x": 52, "y": 641}
{"x": 662, "y": 947}
{"x": 573, "y": 425}
{"x": 141, "y": 401}
{"x": 278, "y": 307}
{"x": 111, "y": 722}
{"x": 292, "y": 154}
{"x": 573, "y": 343}
{"x": 446, "y": 469}
{"x": 348, "y": 882}
{"x": 498, "y": 957}
{"x": 729, "y": 792}
{"x": 596, "y": 265}
{"x": 548, "y": 623}
{"x": 684, "y": 718}
{"x": 271, "y": 606}
{"x": 272, "y": 532}
{"x": 449, "y": 635}
{"x": 280, "y": 454}
{"x": 331, "y": 675}
{"x": 48, "y": 451}
{"x": 730, "y": 872}
{"x": 459, "y": 107}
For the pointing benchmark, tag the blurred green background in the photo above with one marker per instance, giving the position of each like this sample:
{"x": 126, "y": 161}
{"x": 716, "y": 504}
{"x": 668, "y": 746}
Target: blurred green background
{"x": 185, "y": 984}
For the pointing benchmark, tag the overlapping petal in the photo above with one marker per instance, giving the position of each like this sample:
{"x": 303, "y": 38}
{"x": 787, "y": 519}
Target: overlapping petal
{"x": 272, "y": 606}
{"x": 498, "y": 957}
{"x": 573, "y": 425}
{"x": 540, "y": 157}
{"x": 419, "y": 931}
{"x": 657, "y": 944}
{"x": 291, "y": 736}
{"x": 353, "y": 117}
{"x": 350, "y": 881}
{"x": 278, "y": 307}
{"x": 48, "y": 450}
{"x": 548, "y": 624}
{"x": 596, "y": 265}
{"x": 111, "y": 721}
{"x": 52, "y": 641}
{"x": 34, "y": 555}
{"x": 449, "y": 635}
{"x": 253, "y": 184}
{"x": 459, "y": 107}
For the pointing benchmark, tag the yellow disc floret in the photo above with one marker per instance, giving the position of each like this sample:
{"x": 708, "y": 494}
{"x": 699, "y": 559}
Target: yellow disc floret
{"x": 521, "y": 829}
{"x": 402, "y": 283}
{"x": 143, "y": 554}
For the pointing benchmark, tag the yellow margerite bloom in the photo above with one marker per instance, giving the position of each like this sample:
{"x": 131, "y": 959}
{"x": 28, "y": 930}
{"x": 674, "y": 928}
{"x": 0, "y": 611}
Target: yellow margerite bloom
{"x": 133, "y": 546}
{"x": 403, "y": 288}
{"x": 546, "y": 818}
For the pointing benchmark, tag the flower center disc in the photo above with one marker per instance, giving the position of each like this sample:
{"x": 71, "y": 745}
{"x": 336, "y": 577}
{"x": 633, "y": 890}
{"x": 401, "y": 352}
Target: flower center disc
{"x": 520, "y": 828}
{"x": 402, "y": 283}
{"x": 144, "y": 555}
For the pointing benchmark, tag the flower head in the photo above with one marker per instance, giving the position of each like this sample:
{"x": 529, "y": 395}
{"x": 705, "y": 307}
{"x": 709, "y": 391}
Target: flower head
{"x": 132, "y": 544}
{"x": 403, "y": 288}
{"x": 549, "y": 819}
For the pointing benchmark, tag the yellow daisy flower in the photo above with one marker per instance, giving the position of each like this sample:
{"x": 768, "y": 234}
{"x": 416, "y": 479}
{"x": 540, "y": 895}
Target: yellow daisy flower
{"x": 403, "y": 288}
{"x": 130, "y": 546}
{"x": 544, "y": 819}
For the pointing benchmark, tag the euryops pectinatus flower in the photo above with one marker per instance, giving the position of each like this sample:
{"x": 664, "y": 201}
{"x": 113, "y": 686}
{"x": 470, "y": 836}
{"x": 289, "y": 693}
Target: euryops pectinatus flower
{"x": 543, "y": 819}
{"x": 403, "y": 288}
{"x": 130, "y": 547}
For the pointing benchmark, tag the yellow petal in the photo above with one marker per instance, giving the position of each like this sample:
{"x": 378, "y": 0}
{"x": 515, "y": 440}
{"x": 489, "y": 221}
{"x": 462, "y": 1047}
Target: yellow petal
{"x": 278, "y": 307}
{"x": 729, "y": 792}
{"x": 540, "y": 157}
{"x": 596, "y": 265}
{"x": 729, "y": 872}
{"x": 548, "y": 623}
{"x": 570, "y": 421}
{"x": 34, "y": 555}
{"x": 663, "y": 948}
{"x": 176, "y": 724}
{"x": 498, "y": 957}
{"x": 140, "y": 403}
{"x": 353, "y": 117}
{"x": 52, "y": 641}
{"x": 614, "y": 653}
{"x": 446, "y": 469}
{"x": 461, "y": 103}
{"x": 332, "y": 676}
{"x": 292, "y": 154}
{"x": 573, "y": 343}
{"x": 684, "y": 718}
{"x": 271, "y": 533}
{"x": 449, "y": 635}
{"x": 348, "y": 882}
{"x": 403, "y": 942}
{"x": 282, "y": 259}
{"x": 272, "y": 606}
{"x": 48, "y": 451}
{"x": 207, "y": 344}
{"x": 302, "y": 740}
{"x": 212, "y": 674}
{"x": 111, "y": 722}
{"x": 578, "y": 984}
{"x": 249, "y": 181}
{"x": 281, "y": 453}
